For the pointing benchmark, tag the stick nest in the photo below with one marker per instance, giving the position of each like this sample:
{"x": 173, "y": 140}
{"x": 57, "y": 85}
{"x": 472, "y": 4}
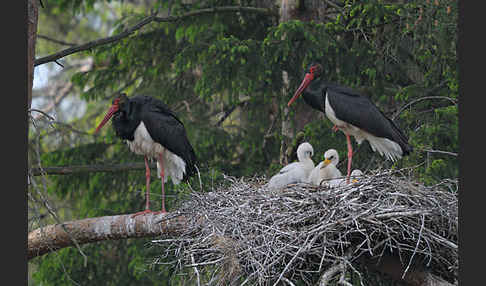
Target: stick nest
{"x": 244, "y": 233}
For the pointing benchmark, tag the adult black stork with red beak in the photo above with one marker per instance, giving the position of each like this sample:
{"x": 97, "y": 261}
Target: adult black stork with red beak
{"x": 354, "y": 114}
{"x": 154, "y": 131}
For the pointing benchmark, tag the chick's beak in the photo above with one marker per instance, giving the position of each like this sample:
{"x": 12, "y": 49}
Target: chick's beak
{"x": 326, "y": 162}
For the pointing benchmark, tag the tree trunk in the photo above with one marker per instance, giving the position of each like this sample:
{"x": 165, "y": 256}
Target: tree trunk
{"x": 32, "y": 20}
{"x": 57, "y": 236}
{"x": 287, "y": 133}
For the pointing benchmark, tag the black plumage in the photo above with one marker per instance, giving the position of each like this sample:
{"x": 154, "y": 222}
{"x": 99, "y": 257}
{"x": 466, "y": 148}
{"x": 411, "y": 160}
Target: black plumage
{"x": 352, "y": 107}
{"x": 151, "y": 129}
{"x": 162, "y": 124}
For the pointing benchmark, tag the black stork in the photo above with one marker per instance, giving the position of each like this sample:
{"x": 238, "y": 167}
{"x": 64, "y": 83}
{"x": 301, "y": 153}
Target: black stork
{"x": 354, "y": 114}
{"x": 154, "y": 131}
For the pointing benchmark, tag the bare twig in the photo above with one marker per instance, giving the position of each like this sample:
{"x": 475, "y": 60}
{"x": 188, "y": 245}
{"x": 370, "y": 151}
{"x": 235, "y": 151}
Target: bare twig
{"x": 196, "y": 271}
{"x": 58, "y": 63}
{"x": 416, "y": 247}
{"x": 422, "y": 99}
{"x": 68, "y": 170}
{"x": 55, "y": 41}
{"x": 51, "y": 211}
{"x": 440, "y": 151}
{"x": 292, "y": 260}
{"x": 42, "y": 112}
{"x": 340, "y": 266}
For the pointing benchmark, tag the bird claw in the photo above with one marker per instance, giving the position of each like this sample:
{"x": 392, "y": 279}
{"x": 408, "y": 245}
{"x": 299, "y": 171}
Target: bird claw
{"x": 141, "y": 213}
{"x": 335, "y": 128}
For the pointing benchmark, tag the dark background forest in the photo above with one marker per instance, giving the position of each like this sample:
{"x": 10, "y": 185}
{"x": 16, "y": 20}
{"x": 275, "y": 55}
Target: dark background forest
{"x": 221, "y": 72}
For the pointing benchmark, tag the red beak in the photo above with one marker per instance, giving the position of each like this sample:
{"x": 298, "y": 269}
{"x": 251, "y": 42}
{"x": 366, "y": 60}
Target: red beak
{"x": 307, "y": 80}
{"x": 109, "y": 114}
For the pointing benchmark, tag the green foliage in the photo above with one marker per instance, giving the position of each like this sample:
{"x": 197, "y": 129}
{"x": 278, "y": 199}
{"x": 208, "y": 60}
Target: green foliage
{"x": 230, "y": 64}
{"x": 124, "y": 263}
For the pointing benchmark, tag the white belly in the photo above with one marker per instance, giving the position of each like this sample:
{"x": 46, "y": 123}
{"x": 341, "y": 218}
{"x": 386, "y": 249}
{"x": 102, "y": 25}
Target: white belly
{"x": 143, "y": 144}
{"x": 347, "y": 128}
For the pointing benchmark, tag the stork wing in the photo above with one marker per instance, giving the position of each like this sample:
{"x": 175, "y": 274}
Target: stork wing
{"x": 166, "y": 129}
{"x": 358, "y": 110}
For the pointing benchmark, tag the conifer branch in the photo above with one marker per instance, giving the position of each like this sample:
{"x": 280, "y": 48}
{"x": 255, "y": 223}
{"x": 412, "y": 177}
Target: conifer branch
{"x": 139, "y": 25}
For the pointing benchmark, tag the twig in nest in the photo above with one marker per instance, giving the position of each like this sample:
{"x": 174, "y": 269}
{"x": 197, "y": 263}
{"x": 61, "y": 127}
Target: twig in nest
{"x": 340, "y": 266}
{"x": 196, "y": 271}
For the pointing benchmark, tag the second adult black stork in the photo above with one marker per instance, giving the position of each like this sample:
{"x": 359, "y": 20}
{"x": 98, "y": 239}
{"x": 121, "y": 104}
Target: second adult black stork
{"x": 354, "y": 114}
{"x": 154, "y": 131}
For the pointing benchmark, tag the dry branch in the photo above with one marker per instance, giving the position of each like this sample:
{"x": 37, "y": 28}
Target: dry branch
{"x": 47, "y": 38}
{"x": 54, "y": 237}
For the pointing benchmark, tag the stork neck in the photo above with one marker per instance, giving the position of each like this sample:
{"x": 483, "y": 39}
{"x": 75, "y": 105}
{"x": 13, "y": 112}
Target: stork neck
{"x": 314, "y": 95}
{"x": 303, "y": 157}
{"x": 127, "y": 120}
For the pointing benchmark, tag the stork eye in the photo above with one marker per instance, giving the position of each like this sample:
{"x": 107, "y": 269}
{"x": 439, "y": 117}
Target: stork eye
{"x": 315, "y": 69}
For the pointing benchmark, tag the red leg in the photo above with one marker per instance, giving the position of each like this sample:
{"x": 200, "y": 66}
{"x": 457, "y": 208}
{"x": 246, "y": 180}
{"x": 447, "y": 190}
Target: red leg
{"x": 162, "y": 180}
{"x": 147, "y": 184}
{"x": 350, "y": 157}
{"x": 335, "y": 128}
{"x": 147, "y": 190}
